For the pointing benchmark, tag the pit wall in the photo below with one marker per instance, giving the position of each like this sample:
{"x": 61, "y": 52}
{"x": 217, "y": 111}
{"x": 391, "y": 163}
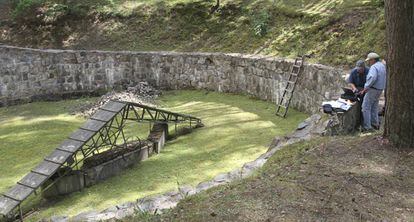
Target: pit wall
{"x": 32, "y": 73}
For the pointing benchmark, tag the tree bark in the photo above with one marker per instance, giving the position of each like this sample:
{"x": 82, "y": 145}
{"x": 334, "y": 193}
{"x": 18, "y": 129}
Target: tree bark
{"x": 399, "y": 124}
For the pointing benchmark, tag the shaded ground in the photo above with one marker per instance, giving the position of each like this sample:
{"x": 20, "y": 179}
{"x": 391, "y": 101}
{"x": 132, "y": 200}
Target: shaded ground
{"x": 329, "y": 179}
{"x": 335, "y": 32}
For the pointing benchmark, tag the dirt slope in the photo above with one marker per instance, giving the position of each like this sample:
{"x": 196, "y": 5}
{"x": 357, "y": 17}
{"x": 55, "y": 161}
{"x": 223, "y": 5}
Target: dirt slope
{"x": 330, "y": 179}
{"x": 336, "y": 32}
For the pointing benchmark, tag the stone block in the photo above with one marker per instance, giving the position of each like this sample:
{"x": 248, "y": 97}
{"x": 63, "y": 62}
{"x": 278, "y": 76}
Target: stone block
{"x": 65, "y": 185}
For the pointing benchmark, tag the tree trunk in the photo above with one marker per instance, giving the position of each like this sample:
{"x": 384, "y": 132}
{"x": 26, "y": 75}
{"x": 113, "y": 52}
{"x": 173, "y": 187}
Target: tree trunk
{"x": 399, "y": 124}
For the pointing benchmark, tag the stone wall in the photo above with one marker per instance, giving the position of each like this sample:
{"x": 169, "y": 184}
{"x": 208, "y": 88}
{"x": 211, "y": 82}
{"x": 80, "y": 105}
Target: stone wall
{"x": 31, "y": 73}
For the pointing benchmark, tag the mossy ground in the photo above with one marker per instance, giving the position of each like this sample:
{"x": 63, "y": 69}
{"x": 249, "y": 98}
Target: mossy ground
{"x": 237, "y": 130}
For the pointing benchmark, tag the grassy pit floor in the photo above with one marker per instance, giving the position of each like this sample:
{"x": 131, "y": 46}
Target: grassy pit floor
{"x": 237, "y": 130}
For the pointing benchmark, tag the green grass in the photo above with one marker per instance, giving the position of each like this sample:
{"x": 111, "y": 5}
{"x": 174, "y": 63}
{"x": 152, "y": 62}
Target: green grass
{"x": 335, "y": 32}
{"x": 238, "y": 129}
{"x": 30, "y": 132}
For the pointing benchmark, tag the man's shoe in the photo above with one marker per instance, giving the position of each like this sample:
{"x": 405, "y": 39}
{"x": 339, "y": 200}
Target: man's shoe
{"x": 367, "y": 130}
{"x": 375, "y": 127}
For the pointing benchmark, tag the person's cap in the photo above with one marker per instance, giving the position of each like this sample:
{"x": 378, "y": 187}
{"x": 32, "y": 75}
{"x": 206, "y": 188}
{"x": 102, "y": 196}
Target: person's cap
{"x": 360, "y": 64}
{"x": 372, "y": 55}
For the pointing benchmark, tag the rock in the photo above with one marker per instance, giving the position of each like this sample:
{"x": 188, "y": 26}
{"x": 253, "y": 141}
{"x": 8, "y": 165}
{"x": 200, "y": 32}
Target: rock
{"x": 110, "y": 209}
{"x": 302, "y": 125}
{"x": 235, "y": 174}
{"x": 173, "y": 196}
{"x": 320, "y": 128}
{"x": 156, "y": 204}
{"x": 59, "y": 219}
{"x": 186, "y": 191}
{"x": 250, "y": 167}
{"x": 85, "y": 216}
{"x": 275, "y": 142}
{"x": 126, "y": 205}
{"x": 126, "y": 212}
{"x": 104, "y": 216}
{"x": 204, "y": 186}
{"x": 307, "y": 128}
{"x": 222, "y": 178}
{"x": 295, "y": 140}
{"x": 272, "y": 151}
{"x": 141, "y": 93}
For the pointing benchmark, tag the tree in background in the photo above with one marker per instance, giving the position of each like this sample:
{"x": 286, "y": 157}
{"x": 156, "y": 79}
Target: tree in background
{"x": 399, "y": 125}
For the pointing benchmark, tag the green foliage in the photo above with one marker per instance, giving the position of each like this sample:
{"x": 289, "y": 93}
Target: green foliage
{"x": 55, "y": 11}
{"x": 378, "y": 3}
{"x": 261, "y": 23}
{"x": 22, "y": 6}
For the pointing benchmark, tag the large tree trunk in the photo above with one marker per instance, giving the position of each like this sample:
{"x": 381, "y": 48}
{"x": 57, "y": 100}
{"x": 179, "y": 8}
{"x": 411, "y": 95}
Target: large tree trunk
{"x": 399, "y": 124}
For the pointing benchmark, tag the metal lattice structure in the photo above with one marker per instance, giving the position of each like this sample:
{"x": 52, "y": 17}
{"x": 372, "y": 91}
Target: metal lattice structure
{"x": 103, "y": 131}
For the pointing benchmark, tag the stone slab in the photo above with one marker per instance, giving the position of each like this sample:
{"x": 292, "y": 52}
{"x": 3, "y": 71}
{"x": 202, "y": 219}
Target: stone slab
{"x": 103, "y": 115}
{"x": 114, "y": 106}
{"x": 93, "y": 125}
{"x": 82, "y": 135}
{"x": 59, "y": 157}
{"x": 33, "y": 180}
{"x": 19, "y": 192}
{"x": 46, "y": 168}
{"x": 70, "y": 145}
{"x": 7, "y": 205}
{"x": 65, "y": 185}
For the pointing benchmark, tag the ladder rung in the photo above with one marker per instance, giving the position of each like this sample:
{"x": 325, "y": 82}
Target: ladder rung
{"x": 291, "y": 82}
{"x": 297, "y": 66}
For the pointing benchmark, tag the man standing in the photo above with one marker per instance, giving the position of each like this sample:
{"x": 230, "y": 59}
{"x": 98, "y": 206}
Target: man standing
{"x": 374, "y": 86}
{"x": 358, "y": 77}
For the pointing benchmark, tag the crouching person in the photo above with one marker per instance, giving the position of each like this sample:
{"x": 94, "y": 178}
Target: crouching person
{"x": 358, "y": 77}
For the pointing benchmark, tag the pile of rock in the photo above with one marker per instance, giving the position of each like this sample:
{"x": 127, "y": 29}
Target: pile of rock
{"x": 142, "y": 93}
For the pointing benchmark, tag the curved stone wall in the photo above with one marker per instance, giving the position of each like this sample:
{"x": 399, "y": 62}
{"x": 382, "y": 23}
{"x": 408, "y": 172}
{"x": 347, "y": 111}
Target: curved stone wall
{"x": 29, "y": 73}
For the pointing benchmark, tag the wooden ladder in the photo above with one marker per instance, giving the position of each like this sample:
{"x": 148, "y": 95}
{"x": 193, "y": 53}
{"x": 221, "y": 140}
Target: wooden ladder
{"x": 284, "y": 102}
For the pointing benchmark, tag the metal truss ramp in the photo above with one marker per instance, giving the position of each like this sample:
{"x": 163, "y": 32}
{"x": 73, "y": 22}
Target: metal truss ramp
{"x": 103, "y": 131}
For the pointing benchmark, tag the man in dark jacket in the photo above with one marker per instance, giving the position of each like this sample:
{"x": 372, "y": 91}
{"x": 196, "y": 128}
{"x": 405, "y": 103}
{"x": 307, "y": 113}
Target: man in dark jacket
{"x": 358, "y": 77}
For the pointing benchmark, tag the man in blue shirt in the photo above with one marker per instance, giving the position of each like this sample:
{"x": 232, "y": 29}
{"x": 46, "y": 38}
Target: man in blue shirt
{"x": 374, "y": 86}
{"x": 358, "y": 76}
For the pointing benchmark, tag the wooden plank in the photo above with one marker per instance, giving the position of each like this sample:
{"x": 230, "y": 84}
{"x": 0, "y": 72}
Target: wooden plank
{"x": 33, "y": 180}
{"x": 70, "y": 145}
{"x": 82, "y": 135}
{"x": 103, "y": 115}
{"x": 46, "y": 168}
{"x": 7, "y": 205}
{"x": 114, "y": 106}
{"x": 59, "y": 157}
{"x": 93, "y": 125}
{"x": 19, "y": 192}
